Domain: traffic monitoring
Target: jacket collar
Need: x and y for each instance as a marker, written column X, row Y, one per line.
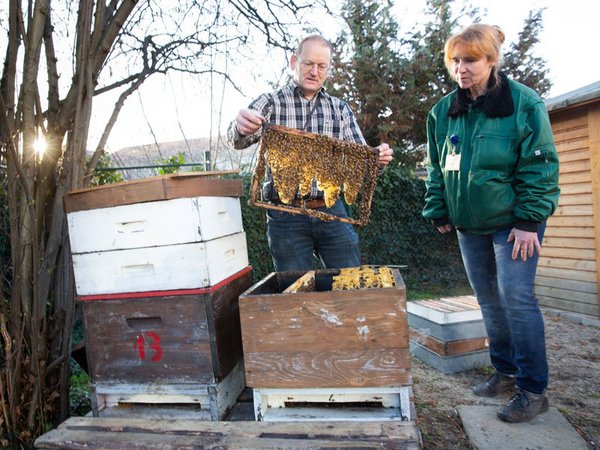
column 497, row 102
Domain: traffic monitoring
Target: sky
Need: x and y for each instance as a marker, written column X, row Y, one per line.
column 179, row 108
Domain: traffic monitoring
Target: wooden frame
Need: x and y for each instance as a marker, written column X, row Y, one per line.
column 212, row 400
column 315, row 141
column 345, row 404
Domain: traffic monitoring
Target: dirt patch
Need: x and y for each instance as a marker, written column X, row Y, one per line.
column 574, row 389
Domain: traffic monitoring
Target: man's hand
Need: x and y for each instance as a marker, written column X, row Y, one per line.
column 526, row 243
column 385, row 155
column 248, row 122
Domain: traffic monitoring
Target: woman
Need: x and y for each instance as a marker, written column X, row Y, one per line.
column 493, row 175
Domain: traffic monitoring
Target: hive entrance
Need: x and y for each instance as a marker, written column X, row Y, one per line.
column 342, row 169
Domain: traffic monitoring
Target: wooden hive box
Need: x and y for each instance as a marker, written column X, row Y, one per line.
column 448, row 333
column 326, row 355
column 172, row 347
column 161, row 233
column 324, row 338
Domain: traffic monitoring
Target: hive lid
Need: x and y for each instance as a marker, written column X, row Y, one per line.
column 446, row 310
column 165, row 187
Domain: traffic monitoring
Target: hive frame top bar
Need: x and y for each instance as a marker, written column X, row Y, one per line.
column 313, row 141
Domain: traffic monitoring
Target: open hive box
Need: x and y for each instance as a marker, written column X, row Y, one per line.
column 329, row 328
column 296, row 158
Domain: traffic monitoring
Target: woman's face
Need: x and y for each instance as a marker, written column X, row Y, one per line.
column 471, row 72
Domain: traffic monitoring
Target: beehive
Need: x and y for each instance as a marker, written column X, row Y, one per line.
column 341, row 169
column 448, row 333
column 159, row 264
column 319, row 353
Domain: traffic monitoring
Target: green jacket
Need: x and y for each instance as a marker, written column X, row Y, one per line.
column 508, row 162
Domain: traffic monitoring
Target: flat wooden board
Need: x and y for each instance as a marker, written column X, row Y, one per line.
column 334, row 368
column 145, row 434
column 165, row 187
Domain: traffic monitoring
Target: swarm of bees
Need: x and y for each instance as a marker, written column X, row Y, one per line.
column 363, row 277
column 299, row 160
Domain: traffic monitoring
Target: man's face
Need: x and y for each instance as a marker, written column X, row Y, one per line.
column 311, row 66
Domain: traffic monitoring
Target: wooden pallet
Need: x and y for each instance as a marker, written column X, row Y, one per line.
column 210, row 401
column 145, row 434
column 327, row 404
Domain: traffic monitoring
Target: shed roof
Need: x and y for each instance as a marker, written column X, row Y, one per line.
column 581, row 95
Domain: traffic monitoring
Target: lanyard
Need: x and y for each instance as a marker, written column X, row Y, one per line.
column 312, row 110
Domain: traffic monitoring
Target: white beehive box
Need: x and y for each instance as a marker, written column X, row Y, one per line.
column 183, row 266
column 166, row 222
column 158, row 234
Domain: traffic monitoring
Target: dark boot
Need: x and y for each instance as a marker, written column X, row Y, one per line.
column 496, row 384
column 523, row 407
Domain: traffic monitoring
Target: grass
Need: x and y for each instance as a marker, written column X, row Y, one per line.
column 79, row 393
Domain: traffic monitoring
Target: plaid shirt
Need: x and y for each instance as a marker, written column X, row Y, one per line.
column 288, row 107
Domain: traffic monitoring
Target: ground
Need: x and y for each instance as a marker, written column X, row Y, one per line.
column 574, row 388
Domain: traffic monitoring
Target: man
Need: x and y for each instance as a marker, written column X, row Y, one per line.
column 293, row 238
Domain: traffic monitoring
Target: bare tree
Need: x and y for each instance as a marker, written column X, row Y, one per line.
column 50, row 77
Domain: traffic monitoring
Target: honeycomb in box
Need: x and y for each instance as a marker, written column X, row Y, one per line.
column 363, row 277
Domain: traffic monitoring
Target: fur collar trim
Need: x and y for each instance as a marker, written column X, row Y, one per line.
column 497, row 102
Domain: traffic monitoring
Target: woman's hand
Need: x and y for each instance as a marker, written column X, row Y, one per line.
column 526, row 243
column 444, row 228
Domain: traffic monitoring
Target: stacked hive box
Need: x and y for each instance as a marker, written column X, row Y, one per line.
column 448, row 334
column 306, row 352
column 159, row 265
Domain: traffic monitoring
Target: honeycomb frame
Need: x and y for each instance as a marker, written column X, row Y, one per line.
column 339, row 163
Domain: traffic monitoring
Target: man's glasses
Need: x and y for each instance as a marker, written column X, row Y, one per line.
column 308, row 65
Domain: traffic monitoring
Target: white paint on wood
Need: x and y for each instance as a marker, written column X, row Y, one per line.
column 217, row 398
column 330, row 318
column 442, row 317
column 184, row 266
column 384, row 403
column 363, row 333
column 167, row 222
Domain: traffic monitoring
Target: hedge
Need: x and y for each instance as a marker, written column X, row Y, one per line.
column 396, row 234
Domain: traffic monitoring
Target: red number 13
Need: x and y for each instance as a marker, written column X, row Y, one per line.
column 140, row 342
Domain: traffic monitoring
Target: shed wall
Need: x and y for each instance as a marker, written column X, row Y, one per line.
column 568, row 270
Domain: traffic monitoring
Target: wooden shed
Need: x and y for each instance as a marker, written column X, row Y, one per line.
column 569, row 268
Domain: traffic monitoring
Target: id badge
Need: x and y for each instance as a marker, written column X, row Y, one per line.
column 452, row 162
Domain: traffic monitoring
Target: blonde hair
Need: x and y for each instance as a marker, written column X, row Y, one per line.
column 477, row 40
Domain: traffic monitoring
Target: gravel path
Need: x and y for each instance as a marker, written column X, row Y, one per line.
column 574, row 389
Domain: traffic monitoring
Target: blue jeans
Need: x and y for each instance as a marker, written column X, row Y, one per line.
column 511, row 314
column 295, row 239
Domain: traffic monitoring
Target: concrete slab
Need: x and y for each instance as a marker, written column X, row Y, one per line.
column 547, row 431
